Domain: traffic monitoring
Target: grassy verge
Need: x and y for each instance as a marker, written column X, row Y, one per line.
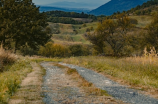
column 138, row 72
column 89, row 88
column 11, row 79
column 45, row 59
column 30, row 91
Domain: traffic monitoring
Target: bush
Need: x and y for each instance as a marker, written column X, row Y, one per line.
column 53, row 50
column 79, row 50
column 6, row 57
column 57, row 50
column 28, row 51
column 133, row 21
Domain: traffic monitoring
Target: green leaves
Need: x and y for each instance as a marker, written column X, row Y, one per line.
column 111, row 34
column 152, row 36
column 22, row 24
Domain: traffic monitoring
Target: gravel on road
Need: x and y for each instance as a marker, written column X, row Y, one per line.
column 60, row 88
column 116, row 90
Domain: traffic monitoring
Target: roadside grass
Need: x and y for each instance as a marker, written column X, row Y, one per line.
column 11, row 78
column 30, row 91
column 88, row 87
column 38, row 60
column 138, row 72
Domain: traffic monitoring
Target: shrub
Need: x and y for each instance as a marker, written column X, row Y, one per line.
column 76, row 50
column 79, row 50
column 133, row 21
column 28, row 51
column 57, row 50
column 6, row 57
column 84, row 25
column 53, row 50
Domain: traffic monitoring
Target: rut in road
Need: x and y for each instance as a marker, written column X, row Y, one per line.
column 118, row 91
column 60, row 88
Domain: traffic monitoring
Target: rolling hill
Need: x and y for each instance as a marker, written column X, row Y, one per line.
column 66, row 4
column 50, row 8
column 116, row 5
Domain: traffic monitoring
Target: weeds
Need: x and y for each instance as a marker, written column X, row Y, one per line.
column 11, row 79
column 30, row 91
column 71, row 71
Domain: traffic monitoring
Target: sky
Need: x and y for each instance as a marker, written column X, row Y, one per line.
column 43, row 2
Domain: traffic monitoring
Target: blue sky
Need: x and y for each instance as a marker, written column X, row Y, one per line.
column 42, row 2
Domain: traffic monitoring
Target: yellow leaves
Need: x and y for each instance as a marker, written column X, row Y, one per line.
column 53, row 50
column 107, row 25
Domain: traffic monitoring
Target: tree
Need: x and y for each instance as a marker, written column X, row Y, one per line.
column 76, row 50
column 97, row 40
column 22, row 24
column 152, row 36
column 111, row 32
column 108, row 28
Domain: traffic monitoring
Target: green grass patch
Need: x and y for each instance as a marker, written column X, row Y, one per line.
column 10, row 80
column 80, row 38
column 46, row 59
column 82, row 30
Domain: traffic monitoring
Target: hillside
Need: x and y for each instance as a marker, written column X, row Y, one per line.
column 116, row 5
column 67, row 4
column 50, row 8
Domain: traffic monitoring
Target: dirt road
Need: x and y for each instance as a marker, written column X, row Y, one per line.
column 60, row 88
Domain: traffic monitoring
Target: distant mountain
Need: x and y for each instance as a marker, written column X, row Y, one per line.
column 116, row 5
column 49, row 8
column 66, row 4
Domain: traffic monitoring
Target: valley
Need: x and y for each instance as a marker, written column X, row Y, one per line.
column 79, row 56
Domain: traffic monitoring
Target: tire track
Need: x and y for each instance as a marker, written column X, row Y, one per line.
column 118, row 91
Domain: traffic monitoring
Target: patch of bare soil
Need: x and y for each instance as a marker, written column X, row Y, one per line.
column 30, row 90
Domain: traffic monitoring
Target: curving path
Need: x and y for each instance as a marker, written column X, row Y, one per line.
column 60, row 88
column 118, row 91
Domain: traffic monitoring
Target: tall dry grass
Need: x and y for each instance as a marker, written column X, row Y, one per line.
column 136, row 71
column 6, row 57
column 10, row 80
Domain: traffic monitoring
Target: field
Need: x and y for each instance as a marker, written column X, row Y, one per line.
column 71, row 34
column 143, row 21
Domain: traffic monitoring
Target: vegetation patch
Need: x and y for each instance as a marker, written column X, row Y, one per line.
column 138, row 72
column 6, row 57
column 31, row 89
column 10, row 80
column 37, row 59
